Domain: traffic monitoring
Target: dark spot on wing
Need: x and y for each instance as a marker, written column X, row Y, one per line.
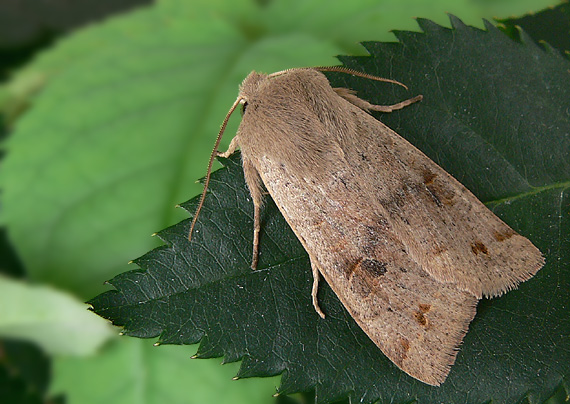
column 429, row 177
column 505, row 235
column 373, row 267
column 420, row 315
column 478, row 247
column 420, row 318
column 441, row 194
column 404, row 348
column 405, row 344
column 401, row 351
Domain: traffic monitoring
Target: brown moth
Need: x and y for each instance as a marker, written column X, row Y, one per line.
column 407, row 249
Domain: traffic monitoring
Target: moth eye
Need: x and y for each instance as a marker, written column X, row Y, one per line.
column 243, row 107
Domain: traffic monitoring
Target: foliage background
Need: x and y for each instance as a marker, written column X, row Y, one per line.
column 108, row 127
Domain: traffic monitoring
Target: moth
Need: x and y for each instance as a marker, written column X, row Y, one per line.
column 407, row 249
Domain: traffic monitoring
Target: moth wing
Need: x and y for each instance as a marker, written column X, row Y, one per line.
column 447, row 230
column 405, row 247
column 415, row 320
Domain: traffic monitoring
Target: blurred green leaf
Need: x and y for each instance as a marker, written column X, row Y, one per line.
column 15, row 95
column 132, row 371
column 54, row 320
column 489, row 122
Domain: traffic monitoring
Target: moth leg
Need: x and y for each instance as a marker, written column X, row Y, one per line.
column 351, row 97
column 316, row 276
column 231, row 149
column 256, row 227
column 253, row 181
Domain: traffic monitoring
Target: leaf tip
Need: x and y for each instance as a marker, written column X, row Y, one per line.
column 428, row 26
column 455, row 21
column 489, row 26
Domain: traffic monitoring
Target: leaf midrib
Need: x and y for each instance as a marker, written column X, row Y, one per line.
column 532, row 192
column 223, row 279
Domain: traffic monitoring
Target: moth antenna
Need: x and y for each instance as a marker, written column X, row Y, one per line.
column 211, row 162
column 340, row 69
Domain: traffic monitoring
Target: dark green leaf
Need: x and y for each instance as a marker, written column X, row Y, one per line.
column 24, row 374
column 495, row 115
column 551, row 25
column 560, row 396
column 10, row 263
column 44, row 19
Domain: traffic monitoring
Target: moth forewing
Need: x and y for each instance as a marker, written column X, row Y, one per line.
column 406, row 248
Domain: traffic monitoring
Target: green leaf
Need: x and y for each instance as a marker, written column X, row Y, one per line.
column 131, row 371
column 494, row 115
column 54, row 320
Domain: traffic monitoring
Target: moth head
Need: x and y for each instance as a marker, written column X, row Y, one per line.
column 250, row 86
